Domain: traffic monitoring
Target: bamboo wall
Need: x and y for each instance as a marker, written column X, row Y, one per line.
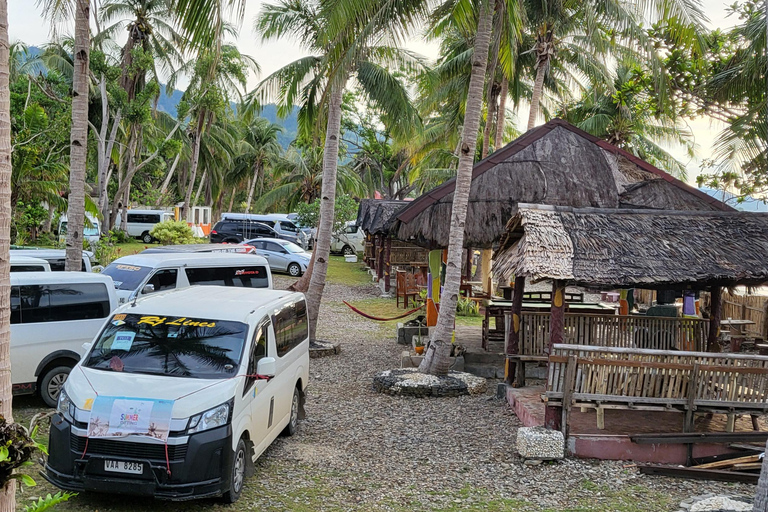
column 747, row 307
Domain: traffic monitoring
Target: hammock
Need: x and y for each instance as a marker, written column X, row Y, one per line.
column 379, row 319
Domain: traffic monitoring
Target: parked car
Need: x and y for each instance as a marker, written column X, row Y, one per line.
column 197, row 248
column 279, row 223
column 178, row 391
column 283, row 256
column 91, row 228
column 52, row 315
column 309, row 232
column 236, row 231
column 56, row 258
column 142, row 274
column 140, row 222
column 351, row 240
column 29, row 264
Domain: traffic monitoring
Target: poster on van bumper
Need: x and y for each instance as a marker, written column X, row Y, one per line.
column 113, row 416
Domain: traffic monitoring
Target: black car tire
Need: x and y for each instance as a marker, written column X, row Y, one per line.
column 237, row 473
column 293, row 422
column 146, row 237
column 52, row 382
column 347, row 251
column 294, row 269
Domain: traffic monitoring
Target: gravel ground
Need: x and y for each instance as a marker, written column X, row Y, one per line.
column 359, row 450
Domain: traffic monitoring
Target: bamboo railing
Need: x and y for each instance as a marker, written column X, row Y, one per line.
column 628, row 331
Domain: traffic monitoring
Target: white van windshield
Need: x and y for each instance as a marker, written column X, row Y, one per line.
column 169, row 345
column 126, row 277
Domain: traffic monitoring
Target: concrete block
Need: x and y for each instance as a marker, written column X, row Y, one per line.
column 405, row 333
column 540, row 443
column 409, row 360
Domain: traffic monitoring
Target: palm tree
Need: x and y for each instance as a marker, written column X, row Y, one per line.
column 436, row 359
column 261, row 150
column 624, row 115
column 347, row 40
column 7, row 494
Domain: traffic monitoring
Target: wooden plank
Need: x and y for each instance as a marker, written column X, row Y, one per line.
column 726, row 463
column 570, row 382
column 699, row 474
column 699, row 437
column 748, row 466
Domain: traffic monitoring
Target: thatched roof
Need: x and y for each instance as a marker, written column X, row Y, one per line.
column 556, row 164
column 375, row 216
column 608, row 248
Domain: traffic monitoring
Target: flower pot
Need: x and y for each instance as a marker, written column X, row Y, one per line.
column 419, row 350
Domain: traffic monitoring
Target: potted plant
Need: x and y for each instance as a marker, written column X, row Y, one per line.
column 419, row 345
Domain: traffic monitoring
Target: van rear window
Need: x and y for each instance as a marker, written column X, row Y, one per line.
column 255, row 276
column 126, row 277
column 200, row 348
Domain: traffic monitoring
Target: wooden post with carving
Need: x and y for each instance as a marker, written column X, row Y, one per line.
column 387, row 264
column 715, row 311
column 514, row 371
column 553, row 415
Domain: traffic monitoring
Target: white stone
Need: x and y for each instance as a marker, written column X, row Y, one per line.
column 720, row 503
column 540, row 443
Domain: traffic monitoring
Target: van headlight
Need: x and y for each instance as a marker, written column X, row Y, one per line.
column 212, row 418
column 65, row 407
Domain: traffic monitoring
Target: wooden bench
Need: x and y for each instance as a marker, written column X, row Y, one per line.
column 623, row 378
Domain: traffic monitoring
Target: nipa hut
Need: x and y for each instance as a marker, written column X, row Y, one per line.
column 556, row 164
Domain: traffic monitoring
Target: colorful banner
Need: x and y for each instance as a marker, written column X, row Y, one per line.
column 113, row 416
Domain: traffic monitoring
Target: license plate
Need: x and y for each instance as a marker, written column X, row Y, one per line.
column 120, row 466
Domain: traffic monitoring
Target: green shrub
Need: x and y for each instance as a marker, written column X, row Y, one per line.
column 467, row 307
column 172, row 233
column 119, row 236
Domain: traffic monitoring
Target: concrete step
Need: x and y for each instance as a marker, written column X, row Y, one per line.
column 477, row 357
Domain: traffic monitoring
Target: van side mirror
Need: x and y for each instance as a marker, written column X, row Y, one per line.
column 87, row 346
column 148, row 288
column 266, row 367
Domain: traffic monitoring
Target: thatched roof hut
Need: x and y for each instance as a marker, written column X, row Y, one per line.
column 609, row 248
column 555, row 164
column 375, row 216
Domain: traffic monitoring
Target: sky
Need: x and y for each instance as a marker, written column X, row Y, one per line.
column 25, row 23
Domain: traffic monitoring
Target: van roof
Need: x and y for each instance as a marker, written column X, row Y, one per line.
column 213, row 302
column 197, row 258
column 21, row 278
column 132, row 210
column 45, row 253
column 17, row 259
column 193, row 248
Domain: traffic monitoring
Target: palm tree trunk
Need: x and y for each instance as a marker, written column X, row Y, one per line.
column 436, row 360
column 490, row 117
column 78, row 149
column 761, row 496
column 200, row 187
column 232, row 198
column 492, row 90
column 542, row 49
column 7, row 494
column 167, row 180
column 256, row 169
column 501, row 114
column 327, row 205
column 195, row 162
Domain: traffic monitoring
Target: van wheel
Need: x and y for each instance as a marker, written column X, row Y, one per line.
column 294, row 269
column 237, row 473
column 51, row 384
column 347, row 251
column 146, row 237
column 293, row 422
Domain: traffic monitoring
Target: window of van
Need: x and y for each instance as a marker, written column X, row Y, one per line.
column 246, row 277
column 144, row 218
column 57, row 264
column 126, row 277
column 59, row 302
column 288, row 227
column 258, row 350
column 291, row 327
column 27, row 268
column 172, row 346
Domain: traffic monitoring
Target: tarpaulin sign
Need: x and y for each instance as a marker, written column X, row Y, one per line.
column 113, row 416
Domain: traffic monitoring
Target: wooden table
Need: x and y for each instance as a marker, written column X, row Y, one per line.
column 737, row 324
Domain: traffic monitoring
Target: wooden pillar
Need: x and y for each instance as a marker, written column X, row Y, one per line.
column 387, row 265
column 373, row 259
column 469, row 264
column 557, row 314
column 514, row 371
column 714, row 318
column 485, row 270
column 380, row 259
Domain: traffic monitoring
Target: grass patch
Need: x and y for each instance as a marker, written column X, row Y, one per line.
column 349, row 274
column 634, row 498
column 387, row 308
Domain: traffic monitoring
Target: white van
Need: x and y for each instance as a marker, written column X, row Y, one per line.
column 56, row 258
column 52, row 315
column 91, row 228
column 140, row 222
column 29, row 264
column 181, row 393
column 283, row 226
column 349, row 241
column 141, row 274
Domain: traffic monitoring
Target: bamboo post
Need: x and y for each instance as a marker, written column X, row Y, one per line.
column 485, row 270
column 515, row 369
column 716, row 307
column 374, row 254
column 469, row 264
column 380, row 260
column 387, row 264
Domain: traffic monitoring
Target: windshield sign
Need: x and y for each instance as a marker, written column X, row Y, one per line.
column 168, row 345
column 126, row 277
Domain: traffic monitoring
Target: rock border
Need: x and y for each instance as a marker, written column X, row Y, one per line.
column 318, row 348
column 410, row 382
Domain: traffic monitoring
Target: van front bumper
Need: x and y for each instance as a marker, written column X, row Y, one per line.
column 198, row 469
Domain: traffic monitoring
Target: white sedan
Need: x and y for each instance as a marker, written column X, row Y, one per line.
column 282, row 255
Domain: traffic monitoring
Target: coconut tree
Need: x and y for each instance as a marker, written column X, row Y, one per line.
column 7, row 496
column 261, row 149
column 347, row 41
column 436, row 360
